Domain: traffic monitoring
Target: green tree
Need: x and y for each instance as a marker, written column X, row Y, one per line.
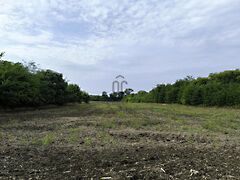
column 158, row 93
column 128, row 91
column 171, row 94
column 74, row 93
column 192, row 95
column 18, row 87
column 85, row 97
column 214, row 94
column 104, row 96
column 53, row 88
column 232, row 94
column 226, row 76
column 26, row 85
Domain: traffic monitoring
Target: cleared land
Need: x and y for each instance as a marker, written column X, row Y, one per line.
column 121, row 141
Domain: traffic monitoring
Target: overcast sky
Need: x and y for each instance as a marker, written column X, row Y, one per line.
column 148, row 41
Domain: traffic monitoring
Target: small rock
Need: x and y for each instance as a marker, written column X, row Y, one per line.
column 193, row 172
column 66, row 172
column 103, row 178
column 163, row 170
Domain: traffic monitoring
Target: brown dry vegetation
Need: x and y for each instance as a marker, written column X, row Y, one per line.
column 121, row 141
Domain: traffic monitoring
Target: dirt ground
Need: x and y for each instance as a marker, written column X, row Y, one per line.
column 62, row 143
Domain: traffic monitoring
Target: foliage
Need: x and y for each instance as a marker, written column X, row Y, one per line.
column 53, row 88
column 18, row 87
column 74, row 94
column 26, row 85
column 116, row 96
column 85, row 97
column 48, row 139
column 218, row 89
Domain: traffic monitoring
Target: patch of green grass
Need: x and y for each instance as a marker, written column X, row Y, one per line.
column 33, row 140
column 158, row 128
column 108, row 124
column 78, row 129
column 212, row 138
column 13, row 121
column 109, row 139
column 172, row 117
column 121, row 114
column 185, row 128
column 217, row 145
column 22, row 140
column 200, row 130
column 74, row 137
column 139, row 116
column 190, row 141
column 48, row 139
column 138, row 122
column 1, row 136
column 211, row 125
column 106, row 137
column 179, row 122
column 11, row 138
column 133, row 123
column 87, row 141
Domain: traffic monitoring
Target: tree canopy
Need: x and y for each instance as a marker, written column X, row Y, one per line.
column 218, row 89
column 22, row 85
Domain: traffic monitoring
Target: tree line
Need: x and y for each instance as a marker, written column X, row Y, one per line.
column 218, row 89
column 115, row 96
column 27, row 85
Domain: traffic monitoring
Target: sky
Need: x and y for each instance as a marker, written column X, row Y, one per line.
column 149, row 42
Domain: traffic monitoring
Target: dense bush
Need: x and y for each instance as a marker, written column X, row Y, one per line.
column 218, row 89
column 22, row 85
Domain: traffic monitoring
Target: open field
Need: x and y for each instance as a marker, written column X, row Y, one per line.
column 120, row 140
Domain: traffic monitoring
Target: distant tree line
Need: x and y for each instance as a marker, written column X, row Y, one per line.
column 26, row 85
column 218, row 89
column 115, row 96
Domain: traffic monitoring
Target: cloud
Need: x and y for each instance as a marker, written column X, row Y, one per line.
column 130, row 36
